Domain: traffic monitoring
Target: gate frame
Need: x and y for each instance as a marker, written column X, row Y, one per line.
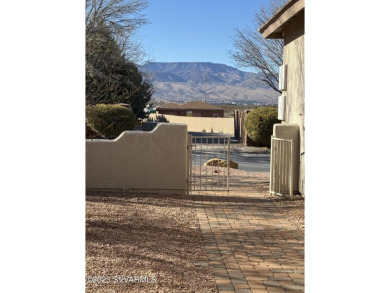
column 190, row 144
column 281, row 166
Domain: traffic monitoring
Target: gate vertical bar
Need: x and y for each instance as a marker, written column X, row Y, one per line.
column 192, row 175
column 228, row 164
column 283, row 164
column 271, row 166
column 223, row 169
column 224, row 158
column 207, row 147
column 291, row 170
column 193, row 172
column 212, row 164
column 200, row 165
column 278, row 166
column 218, row 165
column 189, row 151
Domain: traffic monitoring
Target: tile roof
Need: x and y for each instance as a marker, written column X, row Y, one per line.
column 169, row 106
column 194, row 105
column 197, row 105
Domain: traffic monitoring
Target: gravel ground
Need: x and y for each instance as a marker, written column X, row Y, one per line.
column 144, row 243
column 292, row 209
column 152, row 243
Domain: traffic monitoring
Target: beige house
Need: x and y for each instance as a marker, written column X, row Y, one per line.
column 191, row 109
column 288, row 24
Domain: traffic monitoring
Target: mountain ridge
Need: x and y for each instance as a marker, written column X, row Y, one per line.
column 214, row 82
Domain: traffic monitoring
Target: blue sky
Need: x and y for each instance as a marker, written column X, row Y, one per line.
column 194, row 30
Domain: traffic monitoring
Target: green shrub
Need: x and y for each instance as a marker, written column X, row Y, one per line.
column 90, row 133
column 259, row 124
column 109, row 121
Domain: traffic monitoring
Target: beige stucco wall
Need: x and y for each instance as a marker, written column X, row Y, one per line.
column 293, row 57
column 143, row 161
column 198, row 124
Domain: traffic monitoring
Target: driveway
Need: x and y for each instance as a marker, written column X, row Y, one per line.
column 251, row 159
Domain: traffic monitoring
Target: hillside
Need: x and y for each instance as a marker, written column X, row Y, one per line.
column 215, row 83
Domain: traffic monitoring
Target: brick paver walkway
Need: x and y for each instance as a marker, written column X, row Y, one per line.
column 250, row 246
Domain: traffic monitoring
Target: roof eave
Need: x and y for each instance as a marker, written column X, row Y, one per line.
column 273, row 28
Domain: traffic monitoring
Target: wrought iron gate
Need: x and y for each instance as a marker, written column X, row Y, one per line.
column 208, row 161
column 281, row 177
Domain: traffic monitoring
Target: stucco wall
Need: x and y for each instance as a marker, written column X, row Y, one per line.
column 144, row 161
column 293, row 56
column 198, row 124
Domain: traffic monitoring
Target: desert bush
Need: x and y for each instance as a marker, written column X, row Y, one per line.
column 259, row 124
column 109, row 121
column 158, row 118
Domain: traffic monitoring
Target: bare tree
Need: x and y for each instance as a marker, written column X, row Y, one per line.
column 112, row 75
column 122, row 18
column 253, row 51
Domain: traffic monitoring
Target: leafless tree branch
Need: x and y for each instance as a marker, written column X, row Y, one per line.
column 122, row 18
column 251, row 50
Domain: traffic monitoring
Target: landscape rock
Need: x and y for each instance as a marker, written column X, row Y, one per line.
column 221, row 163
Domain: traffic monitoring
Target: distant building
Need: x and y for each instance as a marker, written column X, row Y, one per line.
column 169, row 109
column 191, row 109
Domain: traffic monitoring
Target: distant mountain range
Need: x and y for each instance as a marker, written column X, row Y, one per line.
column 216, row 83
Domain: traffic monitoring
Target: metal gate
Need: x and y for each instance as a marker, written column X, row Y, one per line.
column 208, row 161
column 281, row 179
